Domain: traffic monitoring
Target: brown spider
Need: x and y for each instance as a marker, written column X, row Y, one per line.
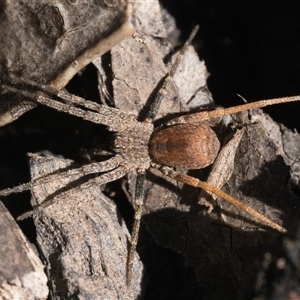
column 186, row 142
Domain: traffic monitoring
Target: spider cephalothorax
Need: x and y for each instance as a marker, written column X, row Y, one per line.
column 132, row 144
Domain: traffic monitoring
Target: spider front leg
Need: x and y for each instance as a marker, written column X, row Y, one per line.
column 115, row 119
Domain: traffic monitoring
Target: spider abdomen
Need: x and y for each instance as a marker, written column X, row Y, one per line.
column 188, row 146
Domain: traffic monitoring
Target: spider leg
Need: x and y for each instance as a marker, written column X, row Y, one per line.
column 97, row 167
column 207, row 187
column 207, row 115
column 97, row 113
column 63, row 95
column 112, row 175
column 169, row 78
column 139, row 201
column 139, row 191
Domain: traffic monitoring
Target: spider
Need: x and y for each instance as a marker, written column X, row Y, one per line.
column 186, row 142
